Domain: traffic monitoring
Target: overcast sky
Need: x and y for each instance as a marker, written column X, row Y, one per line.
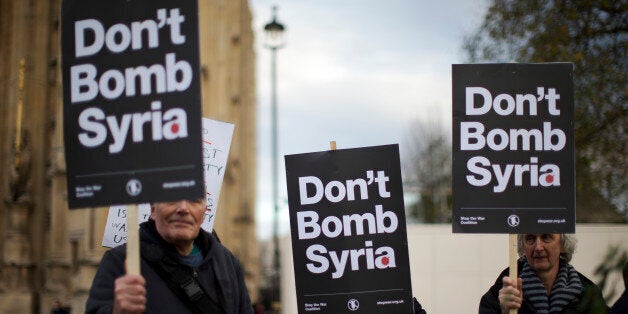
column 357, row 72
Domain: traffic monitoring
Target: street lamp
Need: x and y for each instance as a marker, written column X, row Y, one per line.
column 274, row 41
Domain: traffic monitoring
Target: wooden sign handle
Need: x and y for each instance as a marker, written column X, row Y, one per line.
column 513, row 256
column 132, row 240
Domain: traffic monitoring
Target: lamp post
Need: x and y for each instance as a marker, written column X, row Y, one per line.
column 274, row 41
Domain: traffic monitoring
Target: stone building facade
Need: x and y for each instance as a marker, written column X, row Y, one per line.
column 50, row 253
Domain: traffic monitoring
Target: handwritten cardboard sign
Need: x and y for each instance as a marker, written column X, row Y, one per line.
column 216, row 137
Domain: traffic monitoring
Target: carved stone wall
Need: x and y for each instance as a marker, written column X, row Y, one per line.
column 50, row 253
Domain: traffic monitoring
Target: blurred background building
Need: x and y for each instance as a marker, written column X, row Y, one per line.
column 50, row 253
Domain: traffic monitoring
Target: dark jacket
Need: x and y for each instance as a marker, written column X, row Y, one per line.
column 591, row 301
column 220, row 274
column 621, row 305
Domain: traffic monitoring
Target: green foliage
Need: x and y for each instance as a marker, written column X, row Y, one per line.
column 615, row 260
column 593, row 35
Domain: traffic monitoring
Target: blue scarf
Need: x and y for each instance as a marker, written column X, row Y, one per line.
column 565, row 290
column 194, row 259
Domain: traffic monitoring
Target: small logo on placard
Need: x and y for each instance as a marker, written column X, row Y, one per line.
column 353, row 305
column 134, row 187
column 513, row 220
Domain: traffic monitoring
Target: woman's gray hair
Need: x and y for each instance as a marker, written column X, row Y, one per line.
column 568, row 243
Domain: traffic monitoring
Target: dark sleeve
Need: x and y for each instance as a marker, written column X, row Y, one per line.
column 418, row 308
column 245, row 306
column 592, row 301
column 100, row 298
column 489, row 304
column 621, row 305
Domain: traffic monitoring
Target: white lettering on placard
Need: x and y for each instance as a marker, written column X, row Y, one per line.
column 483, row 170
column 380, row 258
column 95, row 126
column 336, row 191
column 332, row 226
column 119, row 37
column 547, row 139
column 505, row 104
column 175, row 76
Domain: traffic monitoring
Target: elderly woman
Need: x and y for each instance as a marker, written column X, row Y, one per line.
column 547, row 282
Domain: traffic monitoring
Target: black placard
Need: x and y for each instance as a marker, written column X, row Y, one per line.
column 131, row 101
column 348, row 227
column 513, row 148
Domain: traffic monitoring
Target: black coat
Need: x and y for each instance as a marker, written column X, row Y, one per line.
column 220, row 274
column 621, row 305
column 591, row 301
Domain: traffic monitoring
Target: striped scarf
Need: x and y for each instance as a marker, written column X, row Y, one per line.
column 566, row 289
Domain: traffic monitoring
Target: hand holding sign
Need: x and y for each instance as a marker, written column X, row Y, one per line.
column 513, row 167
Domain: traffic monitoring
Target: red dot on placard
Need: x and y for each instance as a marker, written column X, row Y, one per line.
column 174, row 128
column 549, row 178
column 385, row 260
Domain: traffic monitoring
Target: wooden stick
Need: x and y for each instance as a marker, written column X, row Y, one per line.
column 512, row 252
column 132, row 240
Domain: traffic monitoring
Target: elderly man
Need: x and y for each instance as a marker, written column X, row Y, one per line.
column 547, row 283
column 184, row 269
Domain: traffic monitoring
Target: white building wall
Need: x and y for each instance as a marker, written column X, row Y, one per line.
column 450, row 272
